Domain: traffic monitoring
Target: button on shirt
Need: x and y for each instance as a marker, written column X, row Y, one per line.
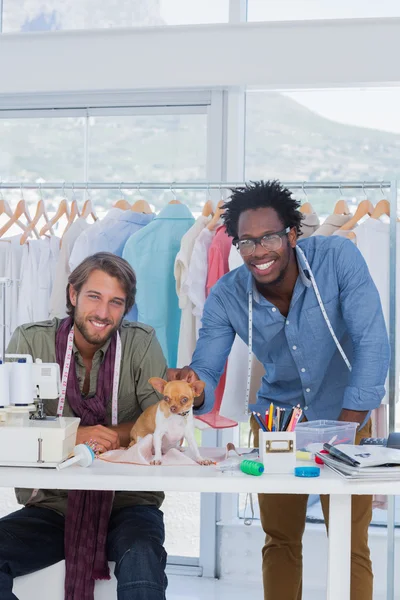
column 314, row 374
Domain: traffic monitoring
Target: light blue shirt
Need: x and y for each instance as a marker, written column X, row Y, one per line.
column 113, row 239
column 151, row 252
column 302, row 363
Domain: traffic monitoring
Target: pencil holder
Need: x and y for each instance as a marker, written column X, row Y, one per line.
column 278, row 451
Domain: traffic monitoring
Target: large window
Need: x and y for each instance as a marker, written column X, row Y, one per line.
column 301, row 10
column 53, row 15
column 130, row 144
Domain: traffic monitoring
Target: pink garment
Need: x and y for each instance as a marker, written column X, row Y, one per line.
column 218, row 257
column 142, row 454
column 218, row 265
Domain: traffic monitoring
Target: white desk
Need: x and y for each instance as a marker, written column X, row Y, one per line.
column 107, row 476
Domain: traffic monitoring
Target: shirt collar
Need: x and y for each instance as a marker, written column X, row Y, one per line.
column 251, row 284
column 175, row 211
column 129, row 216
column 100, row 352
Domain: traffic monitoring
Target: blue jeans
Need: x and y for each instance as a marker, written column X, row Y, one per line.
column 33, row 538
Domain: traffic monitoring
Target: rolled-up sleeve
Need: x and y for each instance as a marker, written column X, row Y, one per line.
column 362, row 313
column 213, row 347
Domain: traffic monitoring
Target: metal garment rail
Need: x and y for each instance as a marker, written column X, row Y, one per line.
column 390, row 186
column 190, row 185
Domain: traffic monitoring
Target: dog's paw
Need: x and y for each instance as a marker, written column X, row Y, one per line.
column 155, row 462
column 204, row 461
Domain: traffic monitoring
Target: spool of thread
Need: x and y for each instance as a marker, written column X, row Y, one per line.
column 83, row 455
column 4, row 384
column 21, row 392
column 252, row 467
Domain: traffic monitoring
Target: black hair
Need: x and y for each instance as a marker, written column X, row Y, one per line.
column 262, row 194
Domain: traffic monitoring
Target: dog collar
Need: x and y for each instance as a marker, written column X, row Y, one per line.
column 185, row 414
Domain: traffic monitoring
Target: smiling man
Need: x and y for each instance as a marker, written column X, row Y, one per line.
column 302, row 363
column 108, row 362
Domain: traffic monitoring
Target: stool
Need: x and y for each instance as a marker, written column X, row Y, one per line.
column 48, row 584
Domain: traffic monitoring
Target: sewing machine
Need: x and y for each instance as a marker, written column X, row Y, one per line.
column 29, row 438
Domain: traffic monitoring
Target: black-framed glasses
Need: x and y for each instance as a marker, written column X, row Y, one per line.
column 272, row 241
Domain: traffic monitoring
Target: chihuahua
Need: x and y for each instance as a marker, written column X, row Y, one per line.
column 171, row 419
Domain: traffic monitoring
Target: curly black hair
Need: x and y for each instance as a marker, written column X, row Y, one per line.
column 261, row 194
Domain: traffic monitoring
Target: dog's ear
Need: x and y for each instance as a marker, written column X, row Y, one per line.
column 197, row 387
column 158, row 384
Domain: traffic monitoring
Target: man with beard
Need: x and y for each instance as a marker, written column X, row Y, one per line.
column 107, row 363
column 274, row 292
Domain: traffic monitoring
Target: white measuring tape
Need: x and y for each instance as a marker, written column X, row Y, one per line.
column 66, row 368
column 325, row 315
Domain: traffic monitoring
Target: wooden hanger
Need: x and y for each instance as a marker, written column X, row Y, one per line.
column 5, row 209
column 217, row 215
column 21, row 210
column 341, row 208
column 62, row 210
column 73, row 213
column 88, row 210
column 141, row 206
column 207, row 209
column 382, row 208
column 364, row 208
column 122, row 204
column 306, row 208
column 40, row 212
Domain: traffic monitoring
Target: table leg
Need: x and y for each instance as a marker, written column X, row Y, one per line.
column 339, row 553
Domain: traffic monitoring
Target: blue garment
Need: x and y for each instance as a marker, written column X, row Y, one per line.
column 113, row 239
column 32, row 538
column 302, row 363
column 151, row 252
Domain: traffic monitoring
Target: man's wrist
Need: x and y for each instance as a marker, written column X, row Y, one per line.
column 199, row 401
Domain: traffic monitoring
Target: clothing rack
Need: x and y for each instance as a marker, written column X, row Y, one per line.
column 390, row 186
column 191, row 185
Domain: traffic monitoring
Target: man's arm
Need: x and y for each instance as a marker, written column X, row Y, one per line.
column 362, row 313
column 212, row 350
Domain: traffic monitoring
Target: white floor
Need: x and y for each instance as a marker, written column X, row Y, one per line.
column 199, row 588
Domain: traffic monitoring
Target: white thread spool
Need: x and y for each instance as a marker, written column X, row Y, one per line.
column 83, row 455
column 4, row 384
column 21, row 392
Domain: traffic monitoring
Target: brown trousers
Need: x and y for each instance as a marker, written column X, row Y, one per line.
column 283, row 518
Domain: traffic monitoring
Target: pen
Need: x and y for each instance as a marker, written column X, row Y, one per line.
column 288, row 420
column 262, row 421
column 336, row 453
column 261, row 424
column 266, row 419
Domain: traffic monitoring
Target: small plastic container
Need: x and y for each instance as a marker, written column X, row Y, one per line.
column 312, row 435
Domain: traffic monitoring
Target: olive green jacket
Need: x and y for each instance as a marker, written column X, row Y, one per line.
column 142, row 358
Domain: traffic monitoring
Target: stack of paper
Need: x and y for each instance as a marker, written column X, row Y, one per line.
column 370, row 462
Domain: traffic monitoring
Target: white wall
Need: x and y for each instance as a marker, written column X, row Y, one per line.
column 276, row 55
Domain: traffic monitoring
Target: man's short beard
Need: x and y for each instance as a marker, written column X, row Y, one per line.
column 95, row 340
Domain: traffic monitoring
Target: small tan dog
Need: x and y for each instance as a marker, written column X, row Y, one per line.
column 170, row 420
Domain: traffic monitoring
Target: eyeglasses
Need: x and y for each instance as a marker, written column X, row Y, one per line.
column 272, row 241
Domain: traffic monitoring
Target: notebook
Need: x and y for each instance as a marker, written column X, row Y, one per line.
column 374, row 462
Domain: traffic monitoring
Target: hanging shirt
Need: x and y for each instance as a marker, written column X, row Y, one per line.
column 197, row 274
column 87, row 240
column 302, row 363
column 114, row 236
column 187, row 332
column 218, row 257
column 332, row 224
column 58, row 294
column 151, row 252
column 309, row 225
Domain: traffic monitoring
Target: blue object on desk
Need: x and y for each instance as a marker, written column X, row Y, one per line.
column 307, row 471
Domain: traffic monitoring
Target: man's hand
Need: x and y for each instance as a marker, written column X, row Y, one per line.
column 354, row 416
column 186, row 374
column 106, row 439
